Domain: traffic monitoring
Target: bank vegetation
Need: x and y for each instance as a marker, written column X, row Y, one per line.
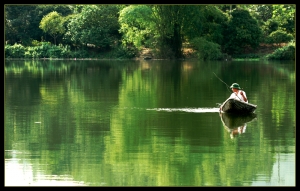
column 206, row 32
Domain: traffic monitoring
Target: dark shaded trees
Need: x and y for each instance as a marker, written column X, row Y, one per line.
column 22, row 22
column 242, row 32
column 169, row 21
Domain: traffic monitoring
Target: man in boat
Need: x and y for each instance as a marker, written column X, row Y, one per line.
column 238, row 93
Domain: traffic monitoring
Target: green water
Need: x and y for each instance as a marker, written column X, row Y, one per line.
column 146, row 123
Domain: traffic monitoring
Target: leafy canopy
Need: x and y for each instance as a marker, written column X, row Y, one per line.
column 52, row 24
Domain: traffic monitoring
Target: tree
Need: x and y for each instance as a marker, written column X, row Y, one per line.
column 242, row 32
column 166, row 27
column 280, row 36
column 169, row 22
column 285, row 15
column 22, row 22
column 18, row 23
column 264, row 12
column 41, row 10
column 53, row 24
column 96, row 25
column 213, row 23
column 137, row 25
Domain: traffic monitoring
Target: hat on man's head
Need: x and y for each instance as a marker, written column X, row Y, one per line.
column 236, row 86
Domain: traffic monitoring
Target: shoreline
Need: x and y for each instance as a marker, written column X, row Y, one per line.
column 54, row 59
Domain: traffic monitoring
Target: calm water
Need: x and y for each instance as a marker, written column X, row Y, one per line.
column 147, row 123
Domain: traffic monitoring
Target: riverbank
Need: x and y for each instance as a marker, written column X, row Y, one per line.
column 188, row 53
column 249, row 54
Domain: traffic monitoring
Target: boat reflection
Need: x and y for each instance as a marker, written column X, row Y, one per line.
column 236, row 124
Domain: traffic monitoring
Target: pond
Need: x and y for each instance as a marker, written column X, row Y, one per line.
column 147, row 123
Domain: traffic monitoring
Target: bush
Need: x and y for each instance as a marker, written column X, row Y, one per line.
column 206, row 50
column 38, row 49
column 279, row 36
column 30, row 53
column 15, row 51
column 54, row 52
column 125, row 53
column 65, row 51
column 82, row 53
column 36, row 43
column 7, row 51
column 284, row 53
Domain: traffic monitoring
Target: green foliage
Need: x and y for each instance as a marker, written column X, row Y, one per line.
column 136, row 25
column 285, row 15
column 280, row 36
column 40, row 50
column 206, row 50
column 174, row 24
column 95, row 24
column 22, row 22
column 123, row 53
column 36, row 43
column 19, row 24
column 244, row 31
column 53, row 24
column 65, row 51
column 213, row 24
column 265, row 12
column 7, row 51
column 54, row 52
column 163, row 28
column 268, row 27
column 81, row 53
column 285, row 53
column 15, row 51
column 277, row 17
column 31, row 53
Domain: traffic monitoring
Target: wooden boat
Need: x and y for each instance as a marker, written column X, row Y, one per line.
column 236, row 106
column 233, row 120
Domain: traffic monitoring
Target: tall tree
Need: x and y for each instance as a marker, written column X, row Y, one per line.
column 53, row 24
column 242, row 32
column 95, row 24
column 169, row 23
column 285, row 15
column 17, row 21
column 137, row 25
column 177, row 23
column 167, row 27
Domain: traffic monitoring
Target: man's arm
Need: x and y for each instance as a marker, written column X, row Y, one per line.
column 244, row 97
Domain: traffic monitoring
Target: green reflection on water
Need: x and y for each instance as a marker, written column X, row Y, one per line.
column 88, row 120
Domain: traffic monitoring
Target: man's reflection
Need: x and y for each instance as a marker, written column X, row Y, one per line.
column 236, row 124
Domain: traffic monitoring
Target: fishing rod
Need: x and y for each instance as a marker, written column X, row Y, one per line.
column 227, row 86
column 223, row 82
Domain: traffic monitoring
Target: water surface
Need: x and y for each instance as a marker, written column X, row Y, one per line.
column 147, row 123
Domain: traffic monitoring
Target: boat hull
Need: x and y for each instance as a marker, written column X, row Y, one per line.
column 232, row 120
column 237, row 106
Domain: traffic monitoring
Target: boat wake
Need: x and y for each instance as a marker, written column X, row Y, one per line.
column 192, row 110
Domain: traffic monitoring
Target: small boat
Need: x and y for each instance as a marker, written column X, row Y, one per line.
column 233, row 120
column 236, row 106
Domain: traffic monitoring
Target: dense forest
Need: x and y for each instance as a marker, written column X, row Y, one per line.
column 208, row 32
